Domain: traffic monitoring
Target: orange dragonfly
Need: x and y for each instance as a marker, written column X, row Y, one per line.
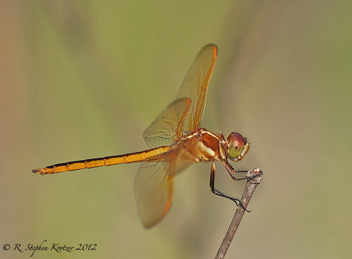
column 176, row 140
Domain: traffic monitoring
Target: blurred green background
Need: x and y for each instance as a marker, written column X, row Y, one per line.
column 84, row 79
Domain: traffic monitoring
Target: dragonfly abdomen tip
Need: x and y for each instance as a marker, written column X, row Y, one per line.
column 37, row 171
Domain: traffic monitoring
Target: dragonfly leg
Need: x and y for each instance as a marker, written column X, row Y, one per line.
column 239, row 174
column 221, row 194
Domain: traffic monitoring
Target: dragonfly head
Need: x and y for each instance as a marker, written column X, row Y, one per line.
column 237, row 146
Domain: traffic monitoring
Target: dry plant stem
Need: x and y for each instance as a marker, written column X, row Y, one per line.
column 255, row 177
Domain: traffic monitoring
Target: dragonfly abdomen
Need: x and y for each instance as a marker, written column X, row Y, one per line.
column 147, row 155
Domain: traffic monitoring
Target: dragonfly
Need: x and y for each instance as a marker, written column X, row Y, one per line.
column 175, row 140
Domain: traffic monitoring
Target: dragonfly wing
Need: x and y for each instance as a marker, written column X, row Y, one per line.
column 154, row 182
column 154, row 187
column 195, row 87
column 167, row 127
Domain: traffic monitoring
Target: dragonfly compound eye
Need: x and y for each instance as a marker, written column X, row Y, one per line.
column 237, row 146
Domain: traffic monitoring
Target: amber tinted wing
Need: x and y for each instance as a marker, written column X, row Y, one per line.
column 154, row 187
column 195, row 86
column 167, row 127
column 154, row 183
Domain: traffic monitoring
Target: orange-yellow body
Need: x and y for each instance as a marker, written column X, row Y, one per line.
column 175, row 141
